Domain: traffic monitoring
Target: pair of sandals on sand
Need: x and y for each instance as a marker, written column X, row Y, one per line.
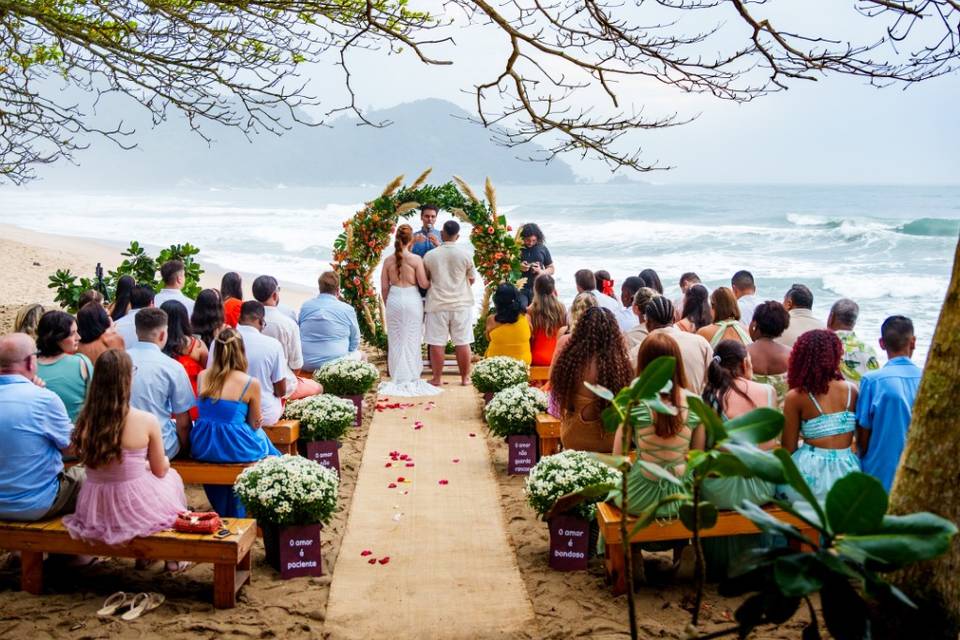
column 136, row 605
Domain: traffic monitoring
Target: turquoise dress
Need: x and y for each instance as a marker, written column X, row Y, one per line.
column 69, row 377
column 822, row 467
column 221, row 434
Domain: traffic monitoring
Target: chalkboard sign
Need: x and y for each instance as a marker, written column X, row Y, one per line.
column 521, row 454
column 300, row 551
column 325, row 452
column 569, row 543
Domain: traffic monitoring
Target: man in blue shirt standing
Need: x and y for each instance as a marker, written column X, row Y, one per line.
column 886, row 400
column 428, row 237
column 36, row 430
column 328, row 326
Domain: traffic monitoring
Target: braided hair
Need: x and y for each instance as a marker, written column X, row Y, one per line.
column 402, row 239
column 660, row 311
column 596, row 339
column 815, row 361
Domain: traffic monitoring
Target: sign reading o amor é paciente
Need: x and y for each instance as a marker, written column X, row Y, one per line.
column 300, row 553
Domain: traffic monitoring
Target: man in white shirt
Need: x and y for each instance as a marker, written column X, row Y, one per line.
column 695, row 351
column 141, row 297
column 265, row 361
column 174, row 276
column 798, row 301
column 449, row 305
column 626, row 318
column 745, row 290
column 586, row 281
column 287, row 332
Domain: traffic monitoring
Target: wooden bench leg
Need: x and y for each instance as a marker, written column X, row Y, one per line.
column 228, row 579
column 549, row 446
column 31, row 572
column 616, row 572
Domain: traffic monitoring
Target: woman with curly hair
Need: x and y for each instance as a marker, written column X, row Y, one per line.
column 820, row 409
column 596, row 354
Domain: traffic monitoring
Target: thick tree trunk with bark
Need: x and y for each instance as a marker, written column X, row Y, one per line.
column 929, row 474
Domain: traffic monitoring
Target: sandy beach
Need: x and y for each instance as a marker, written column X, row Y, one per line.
column 566, row 605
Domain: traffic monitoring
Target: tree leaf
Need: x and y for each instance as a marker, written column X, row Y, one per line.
column 600, row 390
column 761, row 464
column 724, row 465
column 844, row 611
column 611, row 418
column 856, row 504
column 656, row 470
column 709, row 418
column 756, row 427
column 654, row 377
column 901, row 540
column 620, row 463
column 658, row 405
column 708, row 515
column 771, row 524
column 796, row 575
column 793, row 477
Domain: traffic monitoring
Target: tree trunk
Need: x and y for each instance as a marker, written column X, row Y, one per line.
column 929, row 475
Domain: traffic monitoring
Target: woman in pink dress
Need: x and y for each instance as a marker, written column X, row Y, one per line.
column 130, row 489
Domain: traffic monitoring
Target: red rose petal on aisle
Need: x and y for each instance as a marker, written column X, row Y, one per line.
column 365, row 553
column 404, row 457
column 372, row 561
column 392, row 485
column 418, row 427
column 384, row 560
column 409, row 464
column 442, row 482
column 389, row 464
column 456, row 460
column 400, row 479
column 473, row 435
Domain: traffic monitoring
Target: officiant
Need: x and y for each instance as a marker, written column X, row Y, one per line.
column 427, row 238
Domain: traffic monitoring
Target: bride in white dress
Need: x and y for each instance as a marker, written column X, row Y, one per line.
column 401, row 274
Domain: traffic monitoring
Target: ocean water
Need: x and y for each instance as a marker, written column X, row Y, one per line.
column 890, row 248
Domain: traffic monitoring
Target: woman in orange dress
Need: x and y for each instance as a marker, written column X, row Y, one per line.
column 548, row 319
column 182, row 346
column 231, row 290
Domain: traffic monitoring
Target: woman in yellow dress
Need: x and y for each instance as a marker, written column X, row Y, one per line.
column 507, row 328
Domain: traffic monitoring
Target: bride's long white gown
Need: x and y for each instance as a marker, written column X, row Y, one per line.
column 404, row 337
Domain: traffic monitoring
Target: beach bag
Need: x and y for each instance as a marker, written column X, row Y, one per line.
column 195, row 522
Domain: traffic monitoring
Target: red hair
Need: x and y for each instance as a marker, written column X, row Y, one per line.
column 815, row 361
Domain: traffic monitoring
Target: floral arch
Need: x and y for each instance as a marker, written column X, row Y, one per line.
column 357, row 251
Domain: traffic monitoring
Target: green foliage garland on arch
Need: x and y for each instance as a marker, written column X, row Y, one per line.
column 358, row 250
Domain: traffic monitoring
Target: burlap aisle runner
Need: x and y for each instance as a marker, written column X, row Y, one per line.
column 451, row 572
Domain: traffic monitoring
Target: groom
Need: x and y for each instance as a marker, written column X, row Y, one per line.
column 449, row 303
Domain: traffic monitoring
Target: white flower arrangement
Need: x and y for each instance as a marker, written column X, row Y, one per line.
column 564, row 473
column 499, row 372
column 347, row 377
column 322, row 417
column 288, row 490
column 513, row 411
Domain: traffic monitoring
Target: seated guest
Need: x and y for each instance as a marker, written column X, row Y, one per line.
column 27, row 319
column 121, row 297
column 587, row 283
column 595, row 354
column 207, row 320
column 604, row 282
column 694, row 349
column 97, row 333
column 285, row 330
column 265, row 360
column 798, row 302
column 63, row 370
column 231, row 291
column 141, row 297
column 886, row 402
column 651, row 280
column 726, row 319
column 174, row 276
column 183, row 346
column 229, row 426
column 626, row 318
column 770, row 359
column 507, row 328
column 36, row 433
column 687, row 280
column 160, row 385
column 328, row 326
column 820, row 409
column 858, row 357
column 745, row 291
column 636, row 335
column 90, row 295
column 580, row 305
column 130, row 489
column 667, row 439
column 548, row 319
column 695, row 313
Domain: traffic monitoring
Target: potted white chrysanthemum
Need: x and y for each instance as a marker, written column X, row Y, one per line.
column 291, row 497
column 512, row 414
column 324, row 419
column 558, row 476
column 491, row 375
column 349, row 379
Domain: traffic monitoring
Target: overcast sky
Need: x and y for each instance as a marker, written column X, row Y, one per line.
column 836, row 130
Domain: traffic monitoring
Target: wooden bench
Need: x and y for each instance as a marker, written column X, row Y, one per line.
column 284, row 435
column 548, row 433
column 729, row 523
column 230, row 556
column 219, row 473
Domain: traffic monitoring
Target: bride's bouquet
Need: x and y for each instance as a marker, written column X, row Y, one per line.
column 497, row 373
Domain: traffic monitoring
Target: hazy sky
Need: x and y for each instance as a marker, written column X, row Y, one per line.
column 833, row 130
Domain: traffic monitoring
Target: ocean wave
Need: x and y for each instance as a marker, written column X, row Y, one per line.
column 931, row 227
column 810, row 220
column 856, row 228
column 891, row 285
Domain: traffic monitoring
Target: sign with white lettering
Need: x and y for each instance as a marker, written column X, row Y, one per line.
column 300, row 551
column 569, row 543
column 521, row 454
column 326, row 453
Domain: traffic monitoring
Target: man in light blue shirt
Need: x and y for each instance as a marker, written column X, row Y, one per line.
column 141, row 297
column 428, row 238
column 160, row 383
column 328, row 326
column 885, row 405
column 36, row 430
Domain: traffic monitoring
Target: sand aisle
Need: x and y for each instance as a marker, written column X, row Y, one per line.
column 451, row 572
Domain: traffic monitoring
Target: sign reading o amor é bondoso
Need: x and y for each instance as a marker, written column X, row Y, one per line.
column 569, row 543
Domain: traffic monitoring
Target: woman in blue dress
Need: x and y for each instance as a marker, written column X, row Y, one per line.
column 819, row 408
column 228, row 426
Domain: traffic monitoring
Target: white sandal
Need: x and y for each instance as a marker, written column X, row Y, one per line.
column 114, row 603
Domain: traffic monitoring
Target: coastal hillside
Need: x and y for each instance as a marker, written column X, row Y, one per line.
column 426, row 133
